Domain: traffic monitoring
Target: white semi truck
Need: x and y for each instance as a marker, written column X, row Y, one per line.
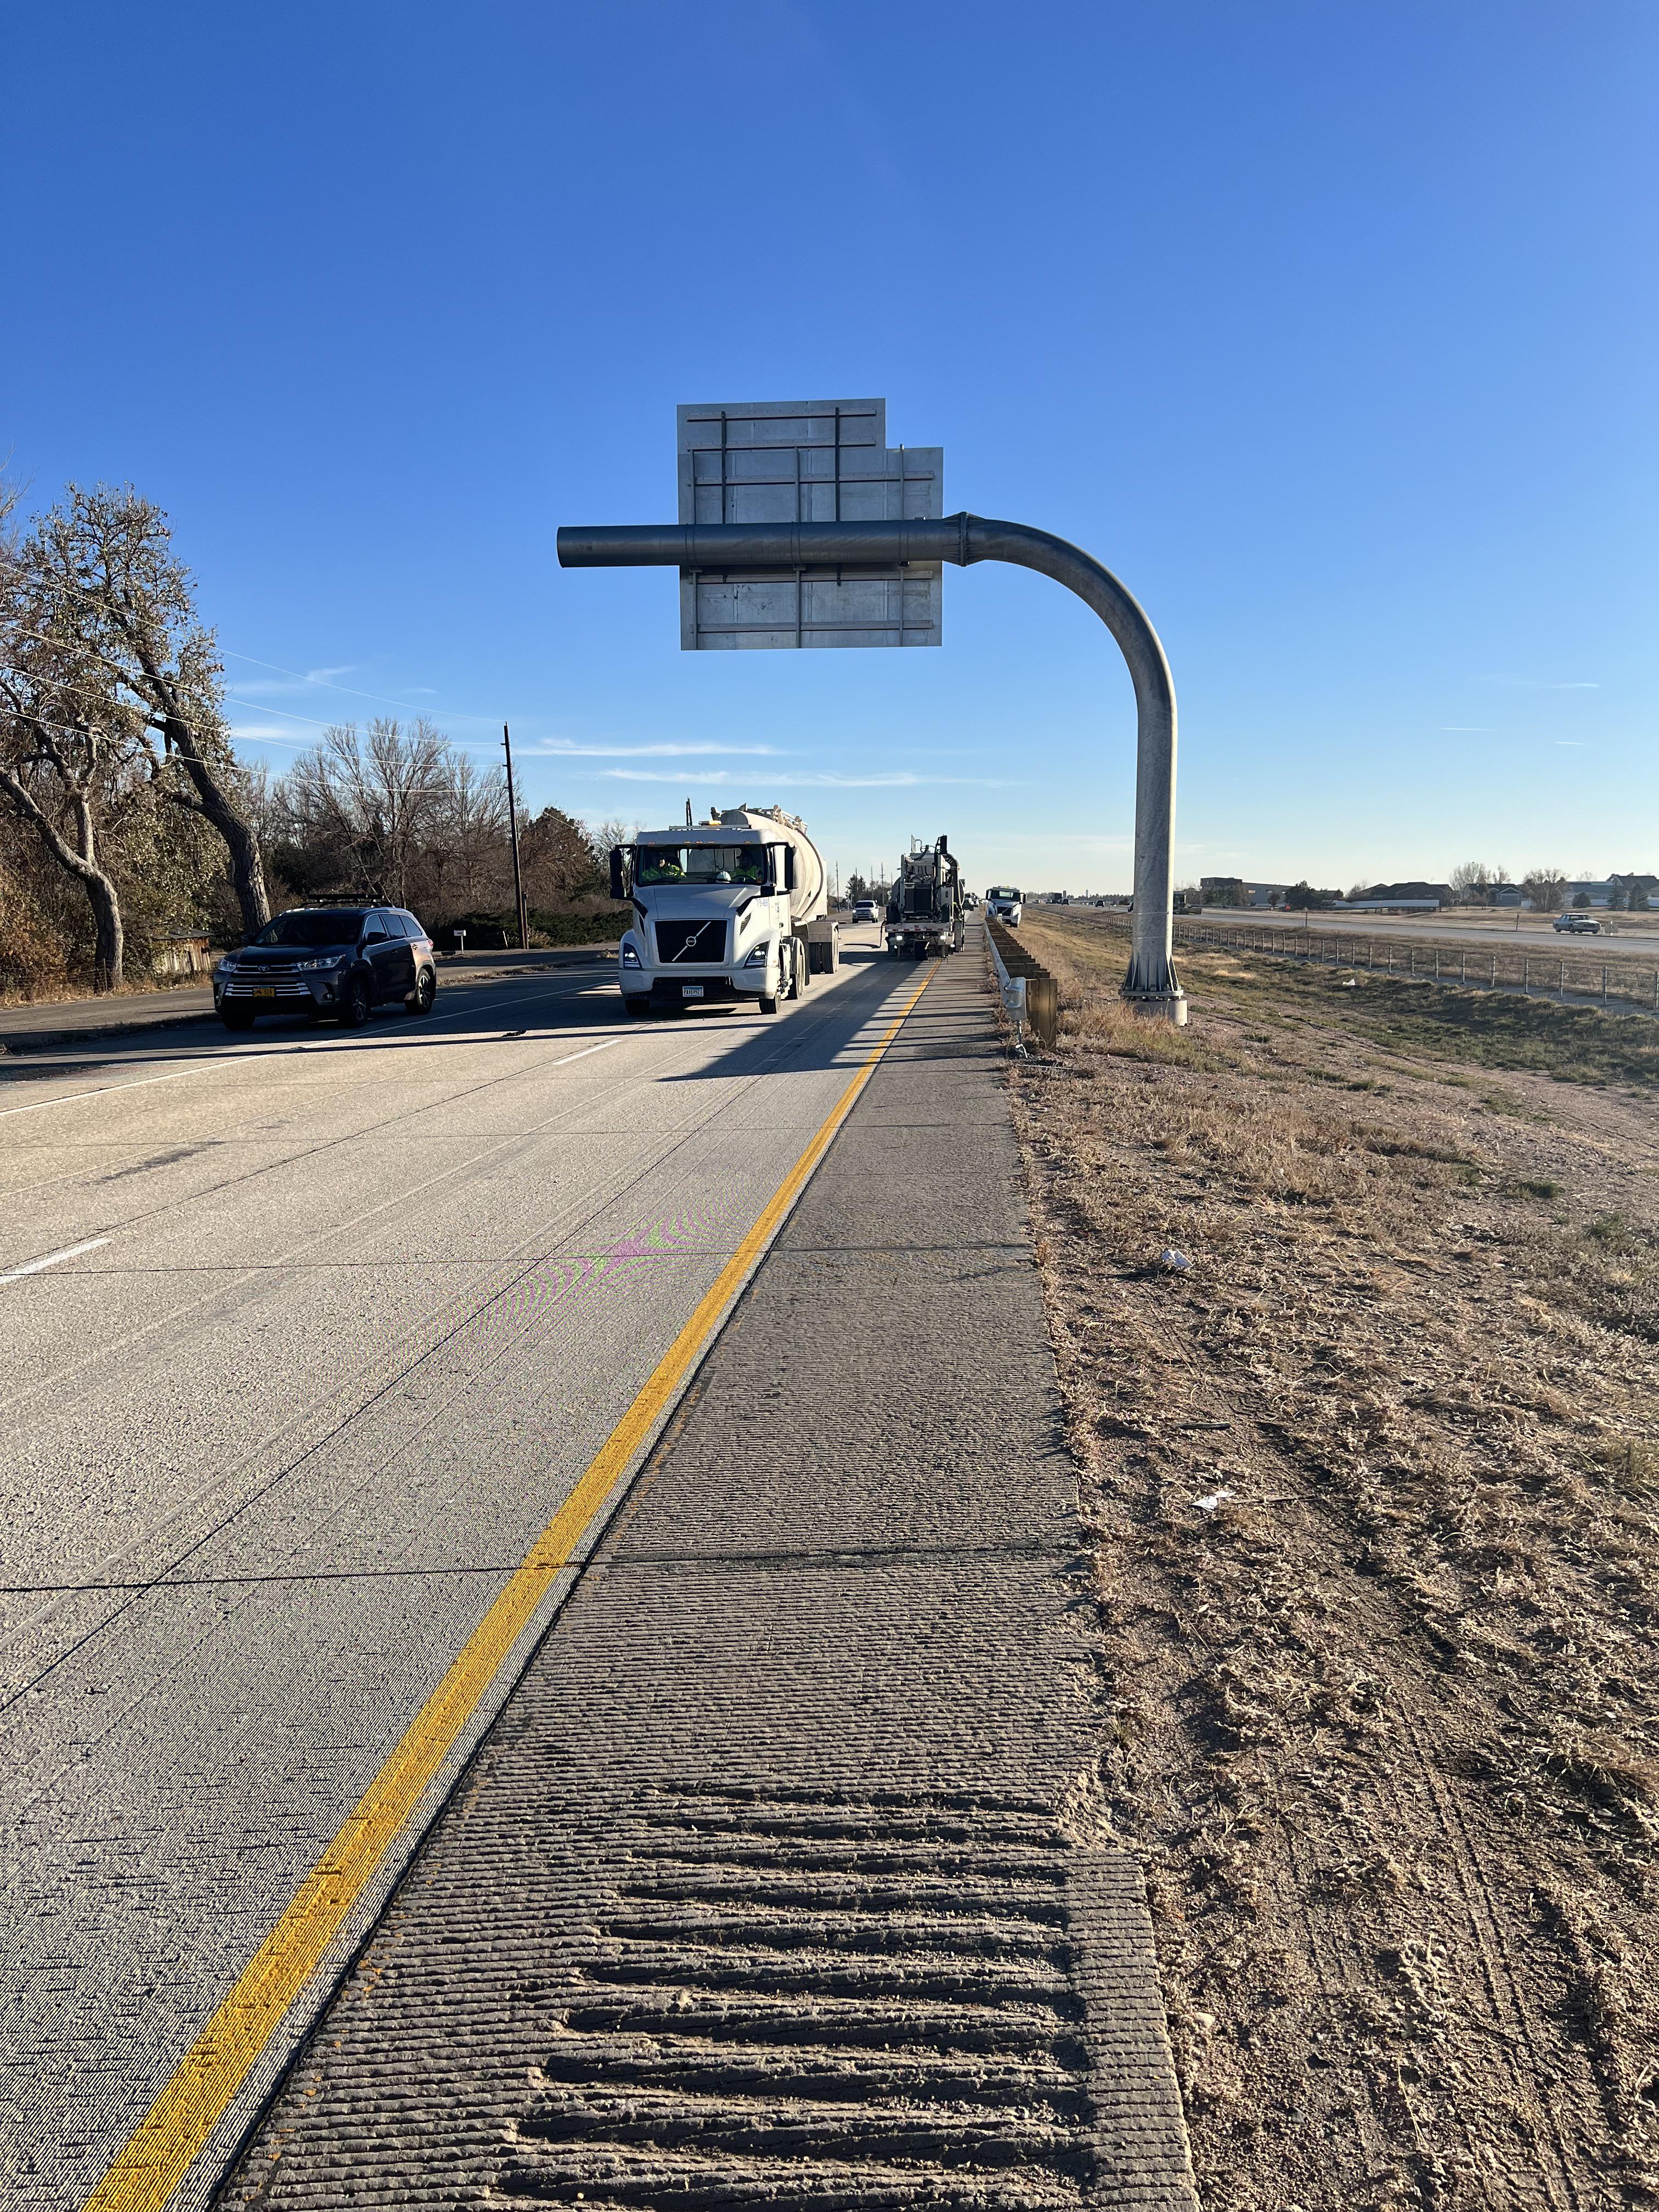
column 735, row 909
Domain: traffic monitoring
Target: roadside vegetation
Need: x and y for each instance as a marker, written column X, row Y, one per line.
column 128, row 821
column 1372, row 1484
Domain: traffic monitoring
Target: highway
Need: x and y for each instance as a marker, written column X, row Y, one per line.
column 310, row 1336
column 1632, row 940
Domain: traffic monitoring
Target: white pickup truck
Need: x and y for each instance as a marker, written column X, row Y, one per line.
column 1006, row 905
column 723, row 912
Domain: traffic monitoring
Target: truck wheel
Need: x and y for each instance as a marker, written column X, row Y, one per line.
column 767, row 1005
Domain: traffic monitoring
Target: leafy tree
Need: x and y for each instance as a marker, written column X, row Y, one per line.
column 562, row 859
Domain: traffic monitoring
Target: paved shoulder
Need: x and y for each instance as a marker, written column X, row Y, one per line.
column 775, row 1881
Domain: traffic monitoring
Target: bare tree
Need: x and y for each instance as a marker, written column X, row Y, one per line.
column 125, row 601
column 380, row 800
column 76, row 761
column 469, row 841
column 1546, row 887
column 1472, row 883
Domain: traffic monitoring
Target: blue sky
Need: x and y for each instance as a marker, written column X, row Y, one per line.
column 1330, row 327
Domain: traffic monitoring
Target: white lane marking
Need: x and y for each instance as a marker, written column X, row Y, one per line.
column 69, row 1097
column 234, row 1059
column 69, row 1252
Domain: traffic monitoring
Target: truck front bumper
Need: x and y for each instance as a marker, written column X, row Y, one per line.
column 695, row 990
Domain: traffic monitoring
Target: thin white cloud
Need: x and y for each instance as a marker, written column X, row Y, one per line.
column 559, row 749
column 327, row 675
column 898, row 778
column 1468, row 730
column 264, row 733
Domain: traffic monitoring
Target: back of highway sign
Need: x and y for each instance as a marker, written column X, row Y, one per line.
column 807, row 461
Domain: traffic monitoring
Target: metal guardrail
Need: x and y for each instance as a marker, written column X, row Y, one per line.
column 1622, row 986
column 1012, row 988
column 1038, row 993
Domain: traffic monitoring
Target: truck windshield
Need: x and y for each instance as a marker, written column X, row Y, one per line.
column 699, row 864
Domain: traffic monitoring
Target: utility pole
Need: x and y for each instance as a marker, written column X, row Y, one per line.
column 513, row 824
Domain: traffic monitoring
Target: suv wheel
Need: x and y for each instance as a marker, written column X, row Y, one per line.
column 419, row 1000
column 355, row 1006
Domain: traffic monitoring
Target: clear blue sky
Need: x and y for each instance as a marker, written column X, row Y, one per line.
column 1330, row 327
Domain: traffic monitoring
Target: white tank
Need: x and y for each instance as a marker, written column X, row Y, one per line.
column 810, row 897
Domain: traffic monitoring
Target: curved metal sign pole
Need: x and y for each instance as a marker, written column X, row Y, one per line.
column 1151, row 985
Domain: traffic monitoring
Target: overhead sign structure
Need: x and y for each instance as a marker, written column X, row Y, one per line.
column 773, row 550
column 806, row 460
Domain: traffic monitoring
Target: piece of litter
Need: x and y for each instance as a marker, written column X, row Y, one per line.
column 1216, row 1497
column 1178, row 1262
column 1349, row 983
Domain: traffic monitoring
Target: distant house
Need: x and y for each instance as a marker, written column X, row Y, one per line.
column 1401, row 898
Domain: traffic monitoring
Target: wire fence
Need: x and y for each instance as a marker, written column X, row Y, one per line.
column 1622, row 985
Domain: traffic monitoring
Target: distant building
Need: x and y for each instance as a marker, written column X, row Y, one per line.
column 1236, row 891
column 1401, row 898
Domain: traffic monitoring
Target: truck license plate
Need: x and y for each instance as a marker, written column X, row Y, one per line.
column 690, row 990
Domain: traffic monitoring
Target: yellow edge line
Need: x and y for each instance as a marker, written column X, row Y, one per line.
column 167, row 2141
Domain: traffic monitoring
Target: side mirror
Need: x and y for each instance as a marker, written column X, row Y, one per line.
column 789, row 868
column 618, row 873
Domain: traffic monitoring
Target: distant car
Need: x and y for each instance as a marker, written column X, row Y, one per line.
column 1005, row 904
column 338, row 960
column 1579, row 924
column 865, row 910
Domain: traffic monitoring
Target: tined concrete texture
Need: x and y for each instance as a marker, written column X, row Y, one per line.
column 775, row 1882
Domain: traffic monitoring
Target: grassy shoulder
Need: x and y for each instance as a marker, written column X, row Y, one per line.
column 1372, row 1485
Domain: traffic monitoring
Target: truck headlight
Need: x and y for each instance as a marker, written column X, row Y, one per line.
column 758, row 955
column 630, row 958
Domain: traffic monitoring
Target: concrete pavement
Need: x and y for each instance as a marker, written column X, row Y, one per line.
column 342, row 1318
column 778, row 1880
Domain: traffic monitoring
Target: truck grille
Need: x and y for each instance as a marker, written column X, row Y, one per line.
column 690, row 941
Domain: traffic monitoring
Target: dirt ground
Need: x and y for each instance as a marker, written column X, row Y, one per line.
column 1372, row 1485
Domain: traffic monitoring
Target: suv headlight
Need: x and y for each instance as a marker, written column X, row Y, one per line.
column 630, row 958
column 334, row 960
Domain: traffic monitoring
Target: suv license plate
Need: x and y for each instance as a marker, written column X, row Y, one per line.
column 264, row 991
column 690, row 990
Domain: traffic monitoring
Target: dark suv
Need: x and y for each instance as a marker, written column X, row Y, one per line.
column 340, row 960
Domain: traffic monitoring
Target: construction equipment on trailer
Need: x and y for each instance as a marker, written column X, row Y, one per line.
column 732, row 910
column 924, row 907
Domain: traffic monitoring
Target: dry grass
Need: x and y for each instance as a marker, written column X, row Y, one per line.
column 1372, row 1490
